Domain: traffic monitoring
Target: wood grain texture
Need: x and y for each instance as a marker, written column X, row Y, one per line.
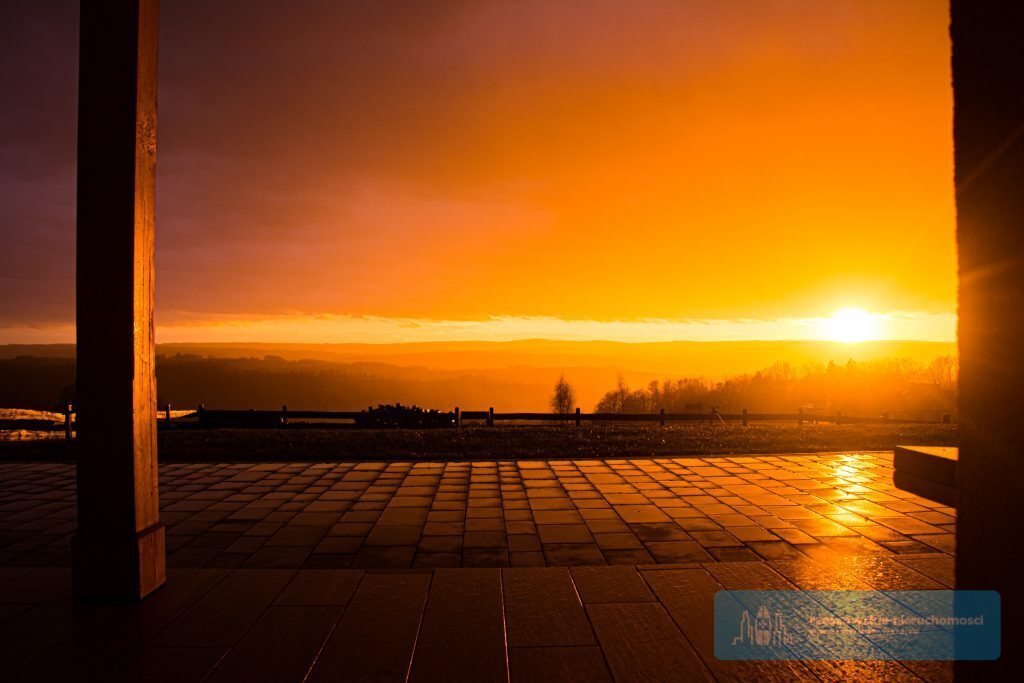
column 118, row 551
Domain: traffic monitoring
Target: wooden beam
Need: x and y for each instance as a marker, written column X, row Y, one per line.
column 118, row 552
column 988, row 132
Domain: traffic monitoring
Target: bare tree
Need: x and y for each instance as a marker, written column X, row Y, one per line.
column 563, row 401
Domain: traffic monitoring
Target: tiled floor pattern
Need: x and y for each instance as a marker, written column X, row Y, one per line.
column 532, row 624
column 504, row 513
column 324, row 572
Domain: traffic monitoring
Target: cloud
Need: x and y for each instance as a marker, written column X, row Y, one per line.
column 592, row 160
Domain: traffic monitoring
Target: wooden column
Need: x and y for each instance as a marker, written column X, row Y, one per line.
column 118, row 552
column 988, row 131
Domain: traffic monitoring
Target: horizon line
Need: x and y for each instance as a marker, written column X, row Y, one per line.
column 370, row 330
column 260, row 342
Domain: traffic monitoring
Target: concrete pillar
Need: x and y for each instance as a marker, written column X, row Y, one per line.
column 988, row 79
column 118, row 551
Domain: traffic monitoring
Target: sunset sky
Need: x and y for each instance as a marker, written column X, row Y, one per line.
column 470, row 169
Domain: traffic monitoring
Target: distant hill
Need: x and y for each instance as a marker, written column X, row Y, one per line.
column 709, row 359
column 507, row 375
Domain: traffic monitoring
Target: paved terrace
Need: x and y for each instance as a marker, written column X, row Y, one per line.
column 544, row 570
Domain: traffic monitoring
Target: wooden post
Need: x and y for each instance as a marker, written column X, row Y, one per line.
column 662, row 412
column 988, row 76
column 490, row 416
column 800, row 418
column 118, row 551
column 167, row 414
column 577, row 417
column 744, row 417
column 458, row 418
column 67, row 421
column 284, row 415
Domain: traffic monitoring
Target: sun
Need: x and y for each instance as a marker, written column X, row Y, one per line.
column 850, row 325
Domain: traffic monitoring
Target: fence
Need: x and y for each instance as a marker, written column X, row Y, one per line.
column 284, row 417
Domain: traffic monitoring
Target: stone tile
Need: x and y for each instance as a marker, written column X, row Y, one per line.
column 542, row 609
column 557, row 665
column 607, row 526
column 339, row 544
column 557, row 517
column 617, row 541
column 733, row 554
column 376, row 636
column 564, row 533
column 320, row 587
column 432, row 560
column 485, row 524
column 714, row 539
column 749, row 534
column 444, row 529
column 640, row 514
column 641, row 643
column 907, row 525
column 281, row 645
column 297, row 536
column 524, row 542
column 403, row 517
column 573, row 554
column 463, row 622
column 485, row 557
column 222, row 616
column 636, row 556
column 441, row 544
column 526, row 559
column 484, row 539
column 378, row 557
column 394, row 535
column 677, row 551
column 278, row 557
column 610, row 584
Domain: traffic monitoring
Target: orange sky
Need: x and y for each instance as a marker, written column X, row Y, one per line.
column 682, row 166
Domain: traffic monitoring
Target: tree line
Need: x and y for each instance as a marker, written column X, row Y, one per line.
column 868, row 388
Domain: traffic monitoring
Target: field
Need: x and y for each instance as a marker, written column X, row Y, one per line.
column 557, row 442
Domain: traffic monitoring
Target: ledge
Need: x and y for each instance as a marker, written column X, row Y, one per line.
column 927, row 471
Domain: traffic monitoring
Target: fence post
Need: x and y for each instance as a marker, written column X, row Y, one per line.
column 800, row 418
column 662, row 413
column 167, row 414
column 577, row 417
column 284, row 415
column 744, row 417
column 490, row 416
column 458, row 418
column 67, row 421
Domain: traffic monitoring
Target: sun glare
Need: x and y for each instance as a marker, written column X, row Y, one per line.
column 851, row 324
